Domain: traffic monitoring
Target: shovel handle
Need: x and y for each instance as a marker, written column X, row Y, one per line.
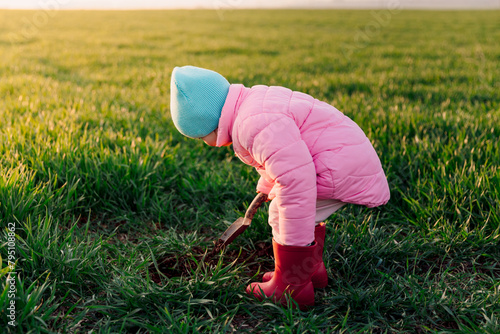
column 241, row 224
column 256, row 203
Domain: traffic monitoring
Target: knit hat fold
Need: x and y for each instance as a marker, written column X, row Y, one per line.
column 197, row 96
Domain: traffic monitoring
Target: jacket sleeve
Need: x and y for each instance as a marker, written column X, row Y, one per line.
column 275, row 143
column 264, row 186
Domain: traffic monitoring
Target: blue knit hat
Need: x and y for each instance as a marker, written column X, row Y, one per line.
column 197, row 96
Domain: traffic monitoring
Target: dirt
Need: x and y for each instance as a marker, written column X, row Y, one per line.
column 182, row 266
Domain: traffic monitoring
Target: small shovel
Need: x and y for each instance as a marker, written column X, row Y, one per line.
column 241, row 224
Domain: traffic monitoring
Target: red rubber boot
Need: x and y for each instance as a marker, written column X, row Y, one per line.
column 293, row 269
column 319, row 278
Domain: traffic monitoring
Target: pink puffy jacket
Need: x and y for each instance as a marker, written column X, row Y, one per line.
column 304, row 149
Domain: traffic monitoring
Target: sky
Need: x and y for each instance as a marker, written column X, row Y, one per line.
column 236, row 4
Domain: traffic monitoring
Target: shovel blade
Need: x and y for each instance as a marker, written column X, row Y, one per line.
column 234, row 230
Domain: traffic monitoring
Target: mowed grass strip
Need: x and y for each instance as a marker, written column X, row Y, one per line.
column 101, row 187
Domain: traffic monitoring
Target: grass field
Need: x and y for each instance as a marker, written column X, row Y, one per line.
column 99, row 185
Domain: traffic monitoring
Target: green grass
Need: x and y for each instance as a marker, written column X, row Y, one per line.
column 100, row 184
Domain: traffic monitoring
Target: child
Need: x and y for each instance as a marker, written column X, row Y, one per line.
column 312, row 160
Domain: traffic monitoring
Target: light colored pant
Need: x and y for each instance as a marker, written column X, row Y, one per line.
column 324, row 208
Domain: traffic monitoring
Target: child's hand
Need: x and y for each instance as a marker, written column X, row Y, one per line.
column 267, row 196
